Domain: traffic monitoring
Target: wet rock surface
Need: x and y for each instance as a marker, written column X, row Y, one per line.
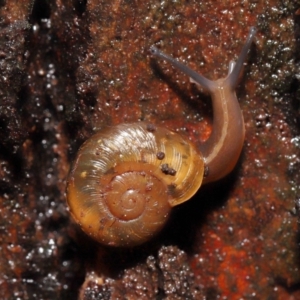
column 69, row 69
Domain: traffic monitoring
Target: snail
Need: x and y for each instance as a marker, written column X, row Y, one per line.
column 126, row 179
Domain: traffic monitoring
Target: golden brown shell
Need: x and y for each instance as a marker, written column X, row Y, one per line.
column 125, row 180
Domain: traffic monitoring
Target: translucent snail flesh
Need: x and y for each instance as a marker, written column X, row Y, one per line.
column 126, row 178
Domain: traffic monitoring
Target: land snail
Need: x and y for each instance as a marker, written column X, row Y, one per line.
column 126, row 179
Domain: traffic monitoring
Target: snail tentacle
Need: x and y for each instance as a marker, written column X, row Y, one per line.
column 232, row 78
column 222, row 149
column 194, row 76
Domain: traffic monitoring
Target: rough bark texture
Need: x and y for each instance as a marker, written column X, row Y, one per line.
column 69, row 68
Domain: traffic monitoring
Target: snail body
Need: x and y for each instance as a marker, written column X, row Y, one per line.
column 126, row 179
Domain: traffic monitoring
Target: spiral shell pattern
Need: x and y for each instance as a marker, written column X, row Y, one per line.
column 126, row 179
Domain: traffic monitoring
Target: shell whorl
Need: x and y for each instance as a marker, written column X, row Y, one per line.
column 126, row 179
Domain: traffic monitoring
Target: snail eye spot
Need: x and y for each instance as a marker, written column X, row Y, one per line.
column 160, row 155
column 151, row 127
column 167, row 170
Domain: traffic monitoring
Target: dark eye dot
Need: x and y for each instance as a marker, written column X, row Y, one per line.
column 167, row 170
column 151, row 127
column 160, row 155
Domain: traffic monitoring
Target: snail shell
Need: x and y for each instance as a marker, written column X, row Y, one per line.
column 126, row 179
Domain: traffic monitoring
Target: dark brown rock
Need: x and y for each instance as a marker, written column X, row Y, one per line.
column 71, row 67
